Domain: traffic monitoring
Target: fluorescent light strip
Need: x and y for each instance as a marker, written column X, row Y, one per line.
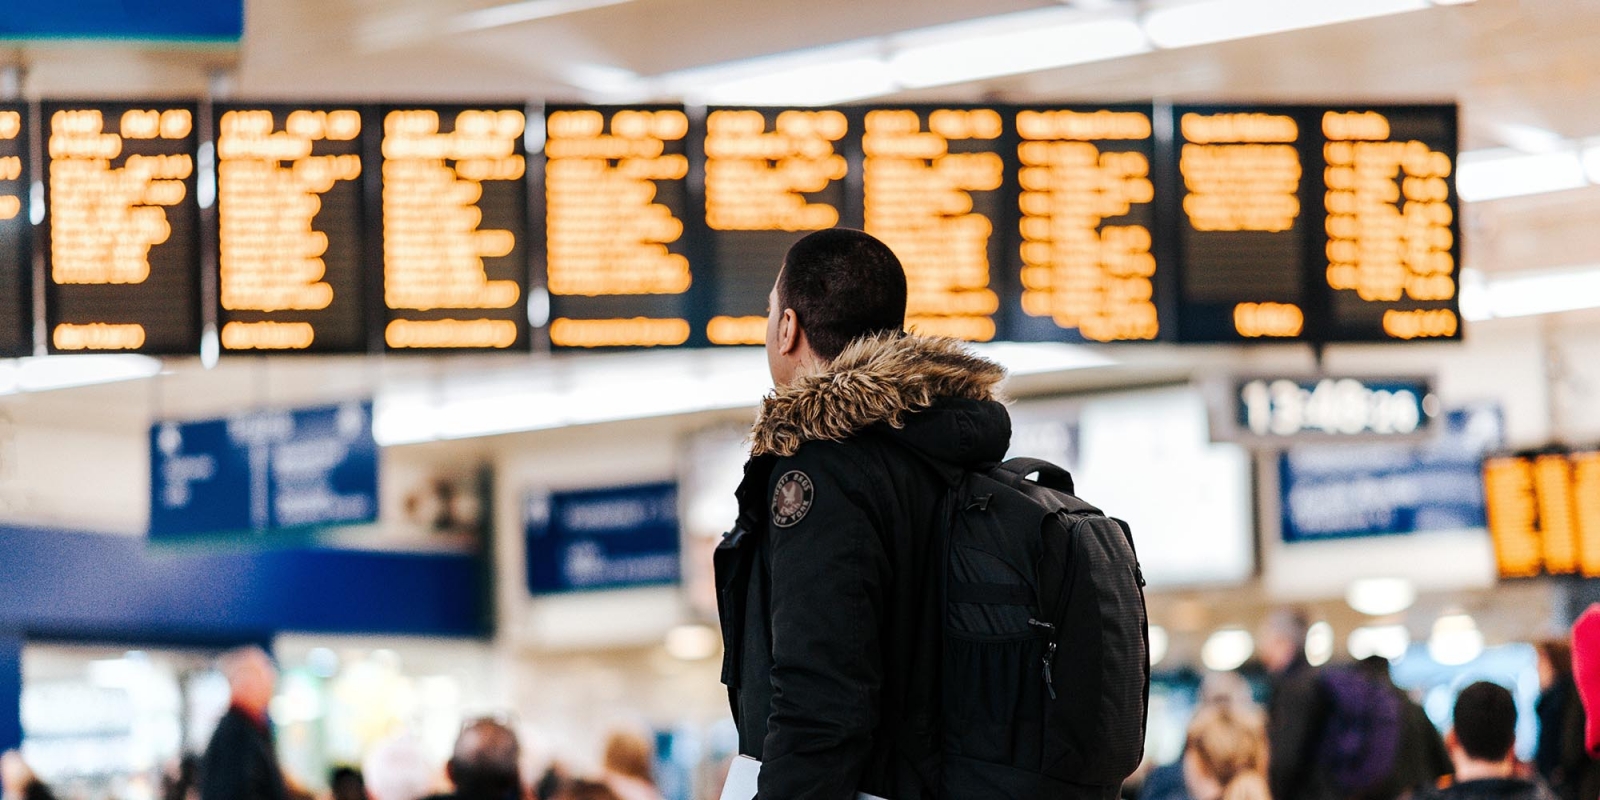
column 527, row 11
column 1529, row 294
column 64, row 372
column 1495, row 174
column 1223, row 20
column 606, row 389
column 994, row 46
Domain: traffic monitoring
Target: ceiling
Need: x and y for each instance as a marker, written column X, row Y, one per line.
column 1514, row 66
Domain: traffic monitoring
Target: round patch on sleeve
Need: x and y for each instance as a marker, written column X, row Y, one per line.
column 792, row 499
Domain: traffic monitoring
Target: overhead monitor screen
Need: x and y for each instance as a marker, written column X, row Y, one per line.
column 1544, row 513
column 16, row 234
column 1391, row 227
column 289, row 228
column 771, row 175
column 1088, row 249
column 931, row 190
column 455, row 228
column 122, row 259
column 615, row 199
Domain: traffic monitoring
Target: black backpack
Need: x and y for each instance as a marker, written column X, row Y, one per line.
column 1046, row 669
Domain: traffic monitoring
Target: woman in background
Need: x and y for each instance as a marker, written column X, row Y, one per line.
column 1226, row 754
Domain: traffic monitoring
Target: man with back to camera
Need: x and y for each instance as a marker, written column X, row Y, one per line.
column 832, row 653
column 1482, row 741
column 485, row 764
column 241, row 762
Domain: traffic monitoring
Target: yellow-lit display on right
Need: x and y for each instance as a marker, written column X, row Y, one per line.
column 1544, row 513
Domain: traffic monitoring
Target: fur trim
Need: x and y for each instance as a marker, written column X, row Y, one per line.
column 876, row 379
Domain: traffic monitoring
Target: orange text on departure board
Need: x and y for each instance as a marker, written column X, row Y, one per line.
column 918, row 200
column 105, row 219
column 1389, row 221
column 606, row 235
column 1544, row 513
column 1240, row 172
column 757, row 180
column 433, row 247
column 10, row 166
column 1077, row 270
column 269, row 191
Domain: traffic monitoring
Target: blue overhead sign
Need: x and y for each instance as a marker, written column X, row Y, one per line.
column 1346, row 491
column 602, row 538
column 264, row 470
column 127, row 20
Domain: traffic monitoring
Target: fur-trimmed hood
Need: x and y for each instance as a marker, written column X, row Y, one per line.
column 885, row 379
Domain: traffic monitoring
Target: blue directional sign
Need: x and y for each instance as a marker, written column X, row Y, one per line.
column 602, row 538
column 1352, row 490
column 129, row 20
column 262, row 471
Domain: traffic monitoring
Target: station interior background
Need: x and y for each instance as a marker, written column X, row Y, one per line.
column 108, row 697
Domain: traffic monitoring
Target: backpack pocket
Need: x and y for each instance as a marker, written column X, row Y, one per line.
column 994, row 699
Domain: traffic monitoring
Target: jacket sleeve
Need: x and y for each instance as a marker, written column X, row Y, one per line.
column 829, row 578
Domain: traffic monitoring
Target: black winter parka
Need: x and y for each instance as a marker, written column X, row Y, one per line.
column 827, row 585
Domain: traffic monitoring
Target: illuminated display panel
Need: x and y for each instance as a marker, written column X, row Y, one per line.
column 616, row 261
column 289, row 228
column 1243, row 224
column 1088, row 250
column 16, row 234
column 122, row 258
column 932, row 180
column 771, row 175
column 455, row 227
column 1390, row 239
column 1544, row 513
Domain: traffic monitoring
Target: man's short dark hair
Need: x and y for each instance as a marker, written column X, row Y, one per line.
column 485, row 763
column 843, row 284
column 1486, row 721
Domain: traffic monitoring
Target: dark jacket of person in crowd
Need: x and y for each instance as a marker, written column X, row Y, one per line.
column 1296, row 713
column 832, row 649
column 1494, row 789
column 1559, row 756
column 241, row 762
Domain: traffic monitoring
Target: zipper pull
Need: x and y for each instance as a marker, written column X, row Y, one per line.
column 1049, row 658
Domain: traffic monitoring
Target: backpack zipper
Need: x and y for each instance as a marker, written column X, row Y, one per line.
column 1049, row 658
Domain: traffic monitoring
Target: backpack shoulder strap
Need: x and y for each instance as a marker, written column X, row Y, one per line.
column 1050, row 475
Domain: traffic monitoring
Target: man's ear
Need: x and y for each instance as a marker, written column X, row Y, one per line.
column 789, row 334
column 1451, row 743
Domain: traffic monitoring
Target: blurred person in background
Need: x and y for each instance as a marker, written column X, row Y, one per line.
column 1296, row 707
column 241, row 763
column 587, row 790
column 178, row 779
column 17, row 781
column 486, row 764
column 629, row 764
column 1482, row 739
column 1559, row 755
column 398, row 768
column 1422, row 759
column 1225, row 755
column 1228, row 689
column 346, row 784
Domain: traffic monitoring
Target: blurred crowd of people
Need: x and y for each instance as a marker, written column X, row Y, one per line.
column 1347, row 732
column 1344, row 732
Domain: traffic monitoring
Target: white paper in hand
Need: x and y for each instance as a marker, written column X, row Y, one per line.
column 741, row 783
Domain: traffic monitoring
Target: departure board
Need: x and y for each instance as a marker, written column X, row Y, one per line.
column 1245, row 223
column 455, row 227
column 931, row 190
column 1390, row 234
column 771, row 175
column 16, row 234
column 289, row 228
column 616, row 260
column 122, row 259
column 1544, row 513
column 1087, row 249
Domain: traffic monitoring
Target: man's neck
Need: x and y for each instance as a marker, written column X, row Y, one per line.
column 1473, row 770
